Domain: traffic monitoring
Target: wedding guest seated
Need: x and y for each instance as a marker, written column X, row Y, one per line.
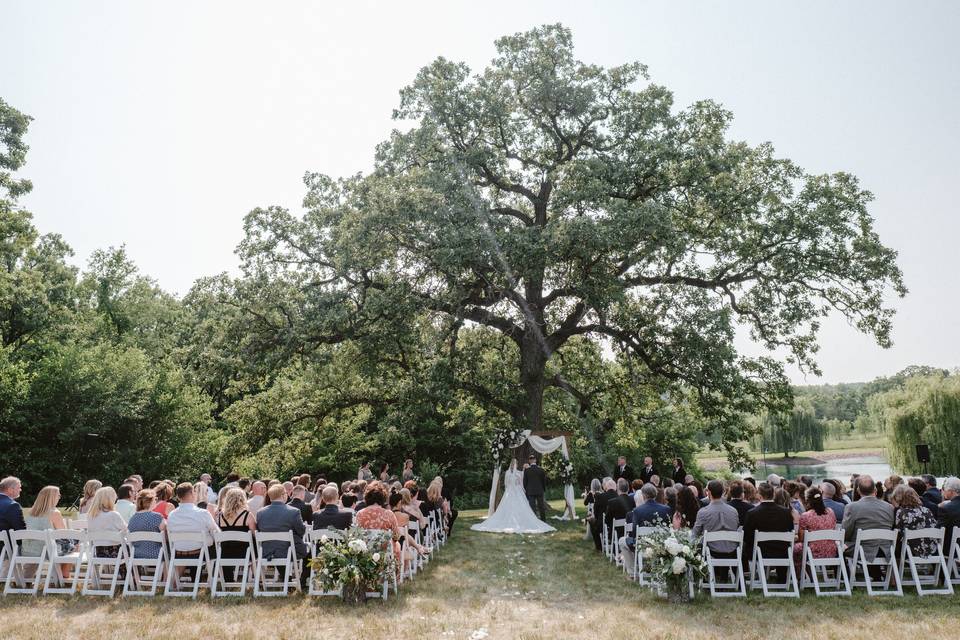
column 297, row 501
column 146, row 520
column 164, row 493
column 258, row 490
column 930, row 496
column 304, row 481
column 817, row 517
column 201, row 491
column 949, row 512
column 11, row 515
column 767, row 516
column 234, row 516
column 910, row 514
column 125, row 505
column 735, row 495
column 278, row 517
column 795, row 490
column 90, row 487
column 828, row 490
column 408, row 545
column 782, row 498
column 348, row 501
column 187, row 517
column 44, row 515
column 376, row 516
column 618, row 508
column 600, row 501
column 406, row 502
column 102, row 516
column 717, row 516
column 288, row 491
column 360, row 490
column 869, row 512
column 685, row 515
column 919, row 487
column 330, row 516
column 649, row 513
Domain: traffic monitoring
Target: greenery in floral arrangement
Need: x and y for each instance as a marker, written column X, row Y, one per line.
column 503, row 441
column 671, row 558
column 565, row 473
column 360, row 558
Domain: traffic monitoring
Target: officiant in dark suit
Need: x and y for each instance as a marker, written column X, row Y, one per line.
column 534, row 486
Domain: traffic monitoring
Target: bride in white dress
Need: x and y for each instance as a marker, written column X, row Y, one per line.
column 514, row 514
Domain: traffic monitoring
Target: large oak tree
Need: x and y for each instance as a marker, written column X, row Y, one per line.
column 545, row 198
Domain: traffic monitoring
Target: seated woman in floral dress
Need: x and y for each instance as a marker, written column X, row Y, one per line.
column 376, row 516
column 817, row 517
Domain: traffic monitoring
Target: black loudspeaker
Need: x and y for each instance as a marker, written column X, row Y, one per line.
column 923, row 453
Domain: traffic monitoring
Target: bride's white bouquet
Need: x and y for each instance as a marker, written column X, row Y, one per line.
column 672, row 560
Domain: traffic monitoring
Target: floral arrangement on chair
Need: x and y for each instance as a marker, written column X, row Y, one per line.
column 673, row 561
column 356, row 563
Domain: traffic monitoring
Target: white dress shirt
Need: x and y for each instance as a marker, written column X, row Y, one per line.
column 187, row 517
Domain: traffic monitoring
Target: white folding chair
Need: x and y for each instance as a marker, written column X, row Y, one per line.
column 78, row 524
column 953, row 556
column 145, row 575
column 316, row 537
column 18, row 571
column 925, row 572
column 619, row 526
column 220, row 586
column 605, row 539
column 416, row 560
column 4, row 555
column 858, row 562
column 640, row 574
column 627, row 533
column 761, row 565
column 178, row 541
column 736, row 585
column 267, row 579
column 816, row 572
column 104, row 570
column 56, row 582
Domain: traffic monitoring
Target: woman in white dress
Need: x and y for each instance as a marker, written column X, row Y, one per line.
column 514, row 514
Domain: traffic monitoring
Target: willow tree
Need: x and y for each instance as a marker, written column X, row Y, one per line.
column 546, row 198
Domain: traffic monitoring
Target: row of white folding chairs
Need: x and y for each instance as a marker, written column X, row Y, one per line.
column 833, row 575
column 101, row 574
column 837, row 574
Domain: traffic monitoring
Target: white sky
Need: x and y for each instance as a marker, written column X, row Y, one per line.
column 159, row 125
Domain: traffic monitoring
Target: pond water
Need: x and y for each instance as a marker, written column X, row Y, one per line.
column 839, row 468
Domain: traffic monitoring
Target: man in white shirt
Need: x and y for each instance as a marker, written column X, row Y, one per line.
column 211, row 494
column 187, row 517
column 255, row 503
column 125, row 504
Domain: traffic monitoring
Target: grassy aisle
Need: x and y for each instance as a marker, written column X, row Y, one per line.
column 524, row 588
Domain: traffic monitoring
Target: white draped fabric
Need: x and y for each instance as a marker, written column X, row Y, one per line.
column 544, row 446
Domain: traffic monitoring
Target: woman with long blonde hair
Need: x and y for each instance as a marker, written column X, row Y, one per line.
column 89, row 488
column 42, row 516
column 103, row 516
column 234, row 516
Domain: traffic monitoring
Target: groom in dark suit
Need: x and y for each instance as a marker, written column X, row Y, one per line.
column 534, row 485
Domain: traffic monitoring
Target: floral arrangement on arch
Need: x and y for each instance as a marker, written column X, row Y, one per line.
column 360, row 560
column 672, row 559
column 566, row 472
column 505, row 440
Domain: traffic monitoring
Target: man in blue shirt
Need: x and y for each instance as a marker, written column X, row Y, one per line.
column 650, row 513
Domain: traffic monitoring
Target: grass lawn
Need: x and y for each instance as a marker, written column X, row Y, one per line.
column 552, row 586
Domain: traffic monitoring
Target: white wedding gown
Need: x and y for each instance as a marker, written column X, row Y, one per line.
column 514, row 514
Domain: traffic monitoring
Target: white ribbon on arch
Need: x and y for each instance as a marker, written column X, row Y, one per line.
column 544, row 446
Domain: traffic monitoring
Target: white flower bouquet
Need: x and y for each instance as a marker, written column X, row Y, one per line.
column 672, row 561
column 357, row 563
